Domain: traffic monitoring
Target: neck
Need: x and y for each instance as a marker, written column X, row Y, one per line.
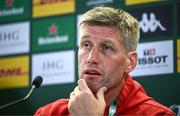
column 114, row 93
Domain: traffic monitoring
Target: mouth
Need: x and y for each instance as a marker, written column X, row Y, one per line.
column 92, row 73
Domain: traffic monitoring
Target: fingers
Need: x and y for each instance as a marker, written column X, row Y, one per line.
column 72, row 95
column 83, row 85
column 75, row 92
column 100, row 94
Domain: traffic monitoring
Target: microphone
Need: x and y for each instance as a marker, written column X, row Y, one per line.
column 35, row 84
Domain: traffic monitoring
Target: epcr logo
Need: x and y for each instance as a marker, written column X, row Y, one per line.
column 176, row 109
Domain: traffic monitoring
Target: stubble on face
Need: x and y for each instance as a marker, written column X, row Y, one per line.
column 112, row 65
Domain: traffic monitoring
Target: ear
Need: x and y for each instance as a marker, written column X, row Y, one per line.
column 132, row 61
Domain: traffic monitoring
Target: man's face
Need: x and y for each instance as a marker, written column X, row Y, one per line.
column 102, row 59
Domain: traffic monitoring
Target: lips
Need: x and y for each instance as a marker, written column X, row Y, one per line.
column 92, row 73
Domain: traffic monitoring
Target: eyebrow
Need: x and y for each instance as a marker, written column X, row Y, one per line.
column 108, row 42
column 104, row 41
column 85, row 37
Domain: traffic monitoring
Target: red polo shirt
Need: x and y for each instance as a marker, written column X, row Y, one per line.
column 132, row 101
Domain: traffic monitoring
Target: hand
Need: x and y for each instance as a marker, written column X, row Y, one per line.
column 83, row 102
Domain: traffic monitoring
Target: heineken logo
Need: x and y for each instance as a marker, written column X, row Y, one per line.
column 9, row 3
column 10, row 9
column 53, row 29
column 51, row 40
column 53, row 36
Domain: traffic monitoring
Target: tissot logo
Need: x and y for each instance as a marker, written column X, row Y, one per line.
column 152, row 20
column 150, row 24
column 150, row 57
column 153, row 60
column 57, row 67
column 12, row 72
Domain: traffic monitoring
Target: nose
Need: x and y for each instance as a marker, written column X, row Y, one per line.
column 93, row 56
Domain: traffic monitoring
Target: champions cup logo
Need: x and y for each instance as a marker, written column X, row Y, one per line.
column 150, row 24
column 150, row 58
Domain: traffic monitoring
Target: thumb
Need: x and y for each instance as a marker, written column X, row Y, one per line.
column 100, row 94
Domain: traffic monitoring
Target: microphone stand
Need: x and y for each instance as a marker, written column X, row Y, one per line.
column 36, row 84
column 19, row 100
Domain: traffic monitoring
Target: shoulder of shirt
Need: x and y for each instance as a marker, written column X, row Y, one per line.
column 158, row 108
column 54, row 108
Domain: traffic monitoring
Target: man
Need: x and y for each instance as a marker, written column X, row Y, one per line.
column 107, row 53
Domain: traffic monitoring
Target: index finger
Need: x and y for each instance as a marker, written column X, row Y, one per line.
column 83, row 85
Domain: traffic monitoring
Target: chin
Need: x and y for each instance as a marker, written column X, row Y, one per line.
column 93, row 87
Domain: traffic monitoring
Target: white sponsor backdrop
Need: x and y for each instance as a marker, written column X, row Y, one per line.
column 14, row 38
column 154, row 58
column 78, row 31
column 55, row 68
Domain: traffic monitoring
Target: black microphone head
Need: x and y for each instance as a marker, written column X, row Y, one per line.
column 37, row 81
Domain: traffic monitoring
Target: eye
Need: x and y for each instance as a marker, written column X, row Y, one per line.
column 107, row 47
column 85, row 44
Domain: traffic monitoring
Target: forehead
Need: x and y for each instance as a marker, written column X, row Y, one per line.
column 105, row 32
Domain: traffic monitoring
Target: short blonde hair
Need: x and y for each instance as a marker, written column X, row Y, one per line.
column 127, row 24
